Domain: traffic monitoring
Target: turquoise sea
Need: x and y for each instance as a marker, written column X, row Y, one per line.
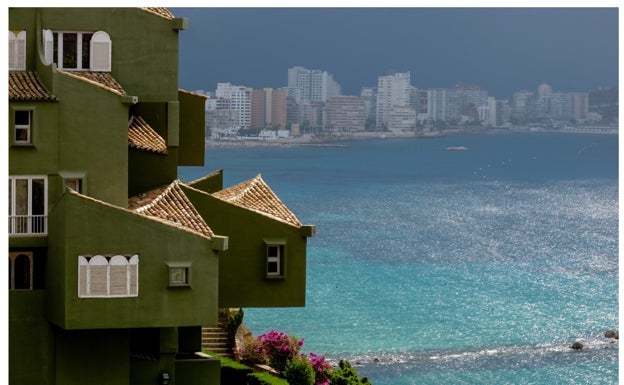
column 451, row 267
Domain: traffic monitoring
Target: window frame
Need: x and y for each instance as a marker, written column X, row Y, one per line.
column 27, row 127
column 278, row 258
column 13, row 255
column 87, row 275
column 73, row 183
column 29, row 216
column 184, row 268
column 97, row 59
column 79, row 177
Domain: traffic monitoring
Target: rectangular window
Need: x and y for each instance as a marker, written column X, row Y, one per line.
column 275, row 260
column 23, row 126
column 28, row 205
column 71, row 50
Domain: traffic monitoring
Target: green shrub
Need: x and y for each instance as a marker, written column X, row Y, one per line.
column 345, row 374
column 299, row 372
column 265, row 379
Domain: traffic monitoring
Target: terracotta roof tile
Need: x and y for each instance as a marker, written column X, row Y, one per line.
column 171, row 205
column 256, row 195
column 26, row 86
column 100, row 79
column 143, row 137
column 160, row 11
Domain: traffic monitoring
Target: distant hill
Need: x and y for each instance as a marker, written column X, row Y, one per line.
column 605, row 101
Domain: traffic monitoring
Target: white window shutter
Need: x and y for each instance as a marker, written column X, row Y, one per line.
column 48, row 46
column 12, row 51
column 83, row 284
column 101, row 48
column 21, row 51
column 133, row 270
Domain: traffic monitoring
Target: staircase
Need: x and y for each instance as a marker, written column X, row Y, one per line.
column 215, row 338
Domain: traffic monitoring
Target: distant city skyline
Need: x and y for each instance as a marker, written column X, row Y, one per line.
column 501, row 49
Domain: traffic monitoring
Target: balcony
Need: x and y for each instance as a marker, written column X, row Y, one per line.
column 28, row 225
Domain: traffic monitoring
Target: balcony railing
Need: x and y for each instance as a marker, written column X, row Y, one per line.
column 28, row 225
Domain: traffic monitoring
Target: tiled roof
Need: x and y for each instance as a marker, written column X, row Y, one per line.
column 256, row 195
column 100, row 79
column 26, row 86
column 161, row 11
column 171, row 205
column 143, row 137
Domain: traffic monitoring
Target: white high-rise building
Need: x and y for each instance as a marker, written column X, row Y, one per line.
column 311, row 85
column 443, row 104
column 240, row 100
column 392, row 91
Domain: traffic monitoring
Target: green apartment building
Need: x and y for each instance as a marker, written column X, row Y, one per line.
column 115, row 264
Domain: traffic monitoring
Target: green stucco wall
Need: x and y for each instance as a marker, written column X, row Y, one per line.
column 144, row 45
column 80, row 354
column 92, row 144
column 31, row 340
column 42, row 157
column 210, row 183
column 81, row 226
column 242, row 268
column 192, row 129
column 149, row 170
column 197, row 371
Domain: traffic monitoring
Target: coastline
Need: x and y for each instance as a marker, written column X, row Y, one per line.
column 333, row 140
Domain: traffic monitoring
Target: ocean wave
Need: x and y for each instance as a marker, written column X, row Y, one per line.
column 596, row 349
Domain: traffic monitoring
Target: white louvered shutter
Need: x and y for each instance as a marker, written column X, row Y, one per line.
column 20, row 51
column 12, row 44
column 101, row 48
column 48, row 46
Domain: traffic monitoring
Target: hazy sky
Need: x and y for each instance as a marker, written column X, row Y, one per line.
column 502, row 49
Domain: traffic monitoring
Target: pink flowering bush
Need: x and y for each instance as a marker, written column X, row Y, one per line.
column 251, row 353
column 279, row 348
column 281, row 352
column 322, row 369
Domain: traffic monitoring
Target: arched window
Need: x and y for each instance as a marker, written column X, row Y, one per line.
column 108, row 276
column 21, row 271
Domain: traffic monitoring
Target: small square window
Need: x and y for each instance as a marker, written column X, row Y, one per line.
column 23, row 126
column 74, row 184
column 275, row 260
column 178, row 276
